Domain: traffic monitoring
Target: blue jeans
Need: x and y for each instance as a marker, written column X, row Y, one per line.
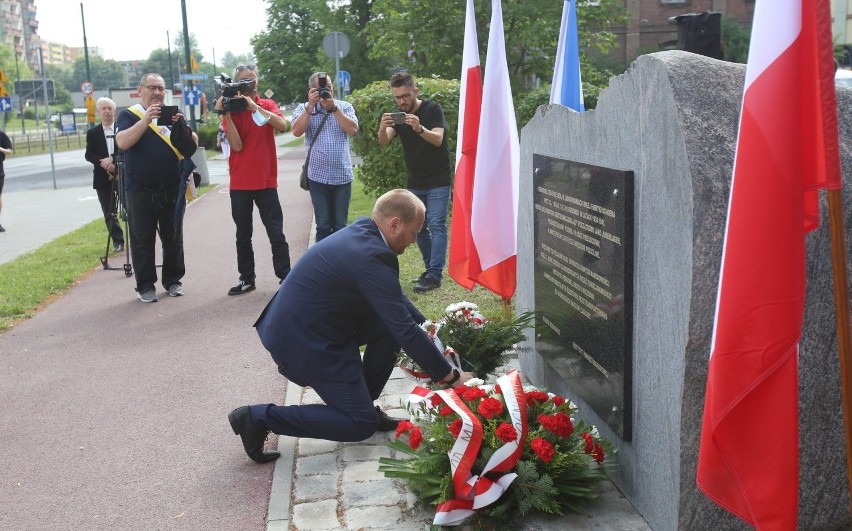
column 269, row 207
column 432, row 239
column 331, row 206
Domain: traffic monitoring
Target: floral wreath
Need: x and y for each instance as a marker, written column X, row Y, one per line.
column 493, row 451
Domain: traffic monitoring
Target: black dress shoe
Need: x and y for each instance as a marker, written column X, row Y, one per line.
column 253, row 438
column 386, row 423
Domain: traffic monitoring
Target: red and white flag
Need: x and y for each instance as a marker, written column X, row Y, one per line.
column 494, row 211
column 787, row 148
column 470, row 103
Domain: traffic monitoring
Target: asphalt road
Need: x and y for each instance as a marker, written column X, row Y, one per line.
column 115, row 412
column 35, row 172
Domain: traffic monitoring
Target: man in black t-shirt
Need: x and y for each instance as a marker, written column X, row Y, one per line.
column 5, row 149
column 421, row 128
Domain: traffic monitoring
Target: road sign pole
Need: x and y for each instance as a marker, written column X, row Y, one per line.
column 337, row 62
column 20, row 98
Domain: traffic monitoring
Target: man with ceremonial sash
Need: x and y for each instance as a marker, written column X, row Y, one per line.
column 152, row 183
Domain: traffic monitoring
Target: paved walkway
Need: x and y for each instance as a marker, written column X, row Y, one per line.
column 115, row 412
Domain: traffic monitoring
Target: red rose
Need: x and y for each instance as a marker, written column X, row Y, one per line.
column 446, row 411
column 460, row 389
column 590, row 443
column 436, row 399
column 403, row 427
column 558, row 400
column 559, row 424
column 415, row 438
column 543, row 449
column 473, row 393
column 506, row 432
column 455, row 427
column 490, row 407
column 598, row 453
column 536, row 397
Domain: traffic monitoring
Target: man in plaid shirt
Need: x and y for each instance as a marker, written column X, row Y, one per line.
column 330, row 167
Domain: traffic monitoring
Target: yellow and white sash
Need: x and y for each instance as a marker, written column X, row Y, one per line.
column 162, row 132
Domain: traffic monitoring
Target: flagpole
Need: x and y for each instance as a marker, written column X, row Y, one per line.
column 841, row 302
column 507, row 307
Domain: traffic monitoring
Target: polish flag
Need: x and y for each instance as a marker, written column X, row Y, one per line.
column 787, row 149
column 494, row 211
column 470, row 102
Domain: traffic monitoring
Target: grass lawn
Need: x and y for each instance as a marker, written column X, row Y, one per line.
column 30, row 281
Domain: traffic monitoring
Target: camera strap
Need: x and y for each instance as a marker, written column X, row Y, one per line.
column 140, row 112
column 316, row 136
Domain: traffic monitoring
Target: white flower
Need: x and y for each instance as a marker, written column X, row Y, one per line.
column 474, row 382
column 460, row 307
column 594, row 431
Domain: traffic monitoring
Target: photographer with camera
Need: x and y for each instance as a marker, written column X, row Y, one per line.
column 421, row 126
column 330, row 166
column 250, row 123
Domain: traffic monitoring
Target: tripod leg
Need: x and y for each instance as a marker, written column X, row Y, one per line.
column 125, row 216
column 110, row 221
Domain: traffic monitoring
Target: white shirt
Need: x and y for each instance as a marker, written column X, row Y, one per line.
column 109, row 133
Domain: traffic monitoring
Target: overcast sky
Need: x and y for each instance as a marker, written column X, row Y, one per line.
column 125, row 30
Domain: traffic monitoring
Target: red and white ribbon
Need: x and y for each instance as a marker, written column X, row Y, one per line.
column 476, row 491
column 506, row 457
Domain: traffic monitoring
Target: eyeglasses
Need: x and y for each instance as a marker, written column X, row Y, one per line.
column 403, row 96
column 243, row 68
column 155, row 88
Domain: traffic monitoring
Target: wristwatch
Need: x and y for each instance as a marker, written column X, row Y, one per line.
column 422, row 130
column 333, row 108
column 454, row 379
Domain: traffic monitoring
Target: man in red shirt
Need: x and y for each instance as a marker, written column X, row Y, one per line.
column 254, row 177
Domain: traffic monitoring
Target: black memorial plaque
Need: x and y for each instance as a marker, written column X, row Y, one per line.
column 584, row 282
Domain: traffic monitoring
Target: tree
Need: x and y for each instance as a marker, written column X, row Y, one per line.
column 158, row 62
column 735, row 40
column 179, row 48
column 62, row 74
column 230, row 61
column 288, row 51
column 398, row 34
column 8, row 64
column 105, row 73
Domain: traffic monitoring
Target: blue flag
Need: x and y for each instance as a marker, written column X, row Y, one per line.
column 567, row 88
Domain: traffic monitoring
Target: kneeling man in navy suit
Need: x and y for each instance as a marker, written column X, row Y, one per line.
column 343, row 293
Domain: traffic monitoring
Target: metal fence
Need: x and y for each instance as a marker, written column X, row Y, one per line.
column 38, row 141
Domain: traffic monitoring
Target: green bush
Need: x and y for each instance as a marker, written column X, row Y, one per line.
column 382, row 168
column 207, row 135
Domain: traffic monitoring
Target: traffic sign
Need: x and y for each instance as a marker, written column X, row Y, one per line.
column 201, row 77
column 343, row 80
column 87, row 87
column 336, row 45
column 191, row 97
column 5, row 104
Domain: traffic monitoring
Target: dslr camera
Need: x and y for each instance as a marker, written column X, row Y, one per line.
column 322, row 81
column 229, row 91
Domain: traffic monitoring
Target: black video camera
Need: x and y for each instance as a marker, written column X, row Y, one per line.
column 229, row 92
column 322, row 81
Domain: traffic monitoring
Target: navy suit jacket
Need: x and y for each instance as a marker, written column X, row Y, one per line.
column 96, row 149
column 343, row 292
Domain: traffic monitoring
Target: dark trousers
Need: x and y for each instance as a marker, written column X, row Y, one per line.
column 109, row 206
column 150, row 213
column 269, row 208
column 348, row 413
